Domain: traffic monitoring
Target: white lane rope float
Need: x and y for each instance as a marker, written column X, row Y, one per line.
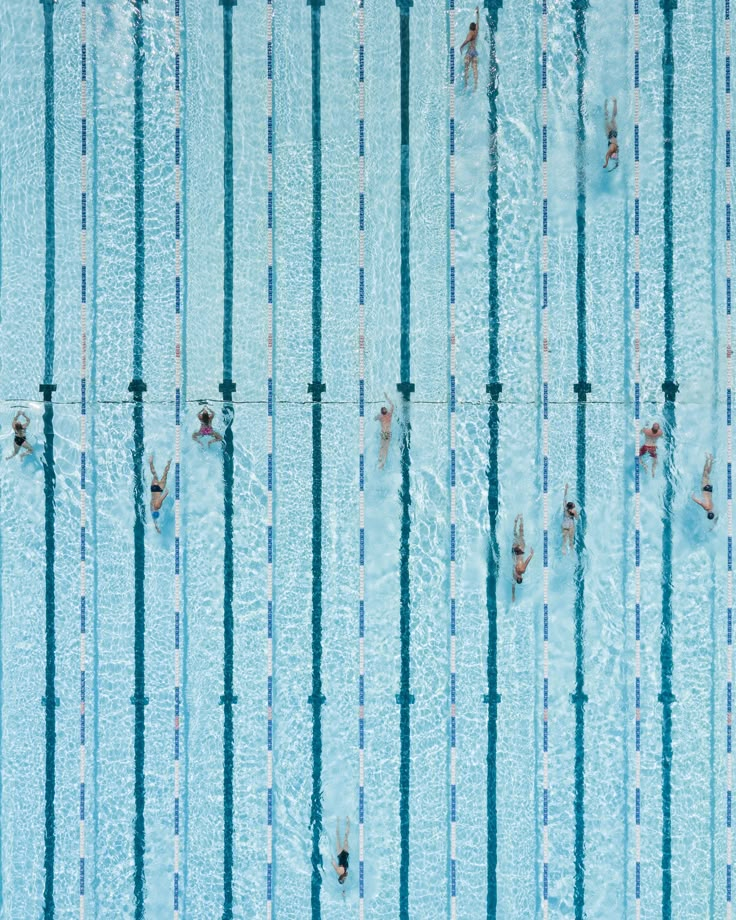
column 545, row 483
column 637, row 481
column 729, row 468
column 270, row 471
column 453, row 493
column 177, row 457
column 83, row 468
column 361, row 449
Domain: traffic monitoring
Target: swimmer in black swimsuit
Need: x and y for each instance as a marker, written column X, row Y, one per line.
column 611, row 134
column 341, row 866
column 159, row 492
column 20, row 442
column 706, row 502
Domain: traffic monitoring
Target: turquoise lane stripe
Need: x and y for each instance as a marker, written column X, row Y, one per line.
column 494, row 389
column 316, row 388
column 582, row 388
column 47, row 389
column 227, row 388
column 405, row 387
column 137, row 387
column 666, row 697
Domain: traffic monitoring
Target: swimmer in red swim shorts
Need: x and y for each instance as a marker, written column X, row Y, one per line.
column 649, row 447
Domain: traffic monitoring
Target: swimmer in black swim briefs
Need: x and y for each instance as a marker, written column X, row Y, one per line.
column 706, row 502
column 343, row 852
column 159, row 492
column 20, row 442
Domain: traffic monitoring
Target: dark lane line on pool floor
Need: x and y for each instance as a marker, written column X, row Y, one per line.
column 228, row 698
column 404, row 697
column 493, row 388
column 670, row 388
column 316, row 388
column 581, row 388
column 137, row 387
column 47, row 388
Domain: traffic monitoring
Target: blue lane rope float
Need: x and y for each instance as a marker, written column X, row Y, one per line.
column 177, row 458
column 637, row 481
column 361, row 460
column 545, row 481
column 83, row 466
column 270, row 462
column 453, row 490
column 729, row 469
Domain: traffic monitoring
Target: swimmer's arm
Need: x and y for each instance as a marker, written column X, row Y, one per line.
column 698, row 501
column 528, row 559
column 334, row 866
column 564, row 499
column 608, row 157
column 388, row 399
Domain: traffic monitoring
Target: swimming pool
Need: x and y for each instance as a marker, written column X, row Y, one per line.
column 291, row 212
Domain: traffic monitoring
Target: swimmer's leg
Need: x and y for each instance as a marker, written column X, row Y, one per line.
column 196, row 437
column 15, row 451
column 166, row 473
column 475, row 74
column 467, row 68
column 347, row 833
column 383, row 454
column 215, row 437
column 337, row 836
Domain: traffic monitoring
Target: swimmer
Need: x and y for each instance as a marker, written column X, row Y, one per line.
column 158, row 492
column 570, row 514
column 20, row 441
column 651, row 436
column 206, row 417
column 706, row 502
column 517, row 548
column 471, row 55
column 611, row 134
column 384, row 417
column 341, row 866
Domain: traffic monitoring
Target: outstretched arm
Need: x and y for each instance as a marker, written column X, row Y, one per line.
column 388, row 400
column 698, row 501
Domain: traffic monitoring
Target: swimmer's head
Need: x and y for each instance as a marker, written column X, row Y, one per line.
column 473, row 27
column 155, row 515
column 711, row 515
column 384, row 410
column 518, row 579
column 570, row 506
column 342, row 878
column 655, row 427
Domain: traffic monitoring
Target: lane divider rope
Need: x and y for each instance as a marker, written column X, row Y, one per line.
column 637, row 481
column 361, row 449
column 270, row 471
column 83, row 467
column 545, row 482
column 177, row 456
column 729, row 475
column 453, row 495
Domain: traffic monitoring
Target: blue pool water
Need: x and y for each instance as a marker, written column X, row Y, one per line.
column 453, row 822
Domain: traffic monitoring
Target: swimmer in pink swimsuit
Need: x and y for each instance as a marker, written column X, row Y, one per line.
column 471, row 55
column 206, row 417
